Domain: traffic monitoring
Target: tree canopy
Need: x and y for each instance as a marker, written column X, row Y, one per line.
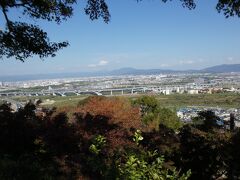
column 22, row 40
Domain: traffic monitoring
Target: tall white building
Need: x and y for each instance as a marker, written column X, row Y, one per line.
column 193, row 91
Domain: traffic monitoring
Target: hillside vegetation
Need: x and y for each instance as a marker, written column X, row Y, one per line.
column 114, row 138
column 225, row 100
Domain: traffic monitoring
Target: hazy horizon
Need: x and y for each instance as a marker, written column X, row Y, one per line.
column 103, row 70
column 144, row 35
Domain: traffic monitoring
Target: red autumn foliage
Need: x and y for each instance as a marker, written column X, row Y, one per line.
column 114, row 118
column 117, row 110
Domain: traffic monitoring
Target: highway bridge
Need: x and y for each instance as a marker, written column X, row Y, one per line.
column 98, row 92
column 60, row 92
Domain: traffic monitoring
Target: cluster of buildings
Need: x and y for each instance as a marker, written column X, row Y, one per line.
column 190, row 83
column 189, row 113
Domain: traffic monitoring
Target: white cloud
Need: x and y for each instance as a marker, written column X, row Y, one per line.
column 103, row 63
column 230, row 59
column 100, row 63
column 164, row 65
column 186, row 62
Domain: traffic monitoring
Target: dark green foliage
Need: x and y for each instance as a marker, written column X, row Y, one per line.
column 207, row 153
column 59, row 136
column 96, row 9
column 31, row 147
column 229, row 7
column 190, row 4
column 25, row 167
column 208, row 119
column 97, row 147
column 232, row 122
column 18, row 130
column 165, row 141
column 153, row 114
column 147, row 165
column 22, row 40
column 147, row 104
column 234, row 167
column 168, row 118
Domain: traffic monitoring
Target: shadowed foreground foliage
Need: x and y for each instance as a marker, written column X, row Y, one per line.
column 107, row 138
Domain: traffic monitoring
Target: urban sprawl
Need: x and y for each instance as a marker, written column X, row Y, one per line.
column 165, row 84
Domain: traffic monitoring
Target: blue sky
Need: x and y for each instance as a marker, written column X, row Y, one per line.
column 149, row 34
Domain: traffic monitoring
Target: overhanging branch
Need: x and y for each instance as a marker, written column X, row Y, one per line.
column 5, row 16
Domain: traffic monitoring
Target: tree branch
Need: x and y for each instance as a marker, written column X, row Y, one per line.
column 18, row 5
column 5, row 16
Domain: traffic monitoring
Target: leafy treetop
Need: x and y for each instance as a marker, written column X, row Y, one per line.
column 22, row 40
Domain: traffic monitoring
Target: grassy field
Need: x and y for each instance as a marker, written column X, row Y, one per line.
column 56, row 101
column 225, row 100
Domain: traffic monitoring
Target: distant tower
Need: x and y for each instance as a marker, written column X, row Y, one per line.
column 232, row 123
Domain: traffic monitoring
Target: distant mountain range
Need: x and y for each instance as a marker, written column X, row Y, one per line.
column 224, row 68
column 133, row 71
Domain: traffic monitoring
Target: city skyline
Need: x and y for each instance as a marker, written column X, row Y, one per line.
column 141, row 35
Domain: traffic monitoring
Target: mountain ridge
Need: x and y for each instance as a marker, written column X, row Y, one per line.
column 223, row 68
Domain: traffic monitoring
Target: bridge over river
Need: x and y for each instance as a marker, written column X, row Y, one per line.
column 98, row 92
column 61, row 92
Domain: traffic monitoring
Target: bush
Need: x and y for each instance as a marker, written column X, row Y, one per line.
column 153, row 114
column 148, row 165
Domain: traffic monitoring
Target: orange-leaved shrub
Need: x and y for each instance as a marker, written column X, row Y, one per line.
column 114, row 118
column 118, row 110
